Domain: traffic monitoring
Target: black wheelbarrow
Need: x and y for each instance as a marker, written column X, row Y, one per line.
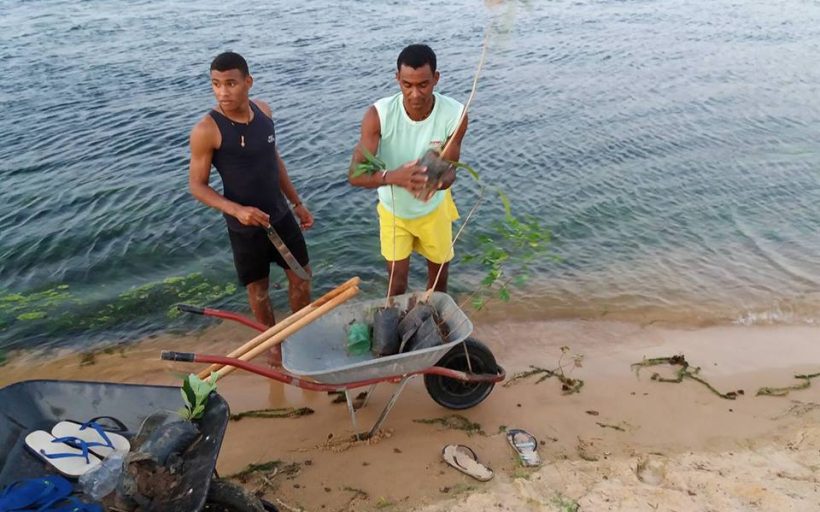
column 39, row 404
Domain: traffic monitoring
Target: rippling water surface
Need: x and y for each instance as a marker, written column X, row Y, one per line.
column 671, row 147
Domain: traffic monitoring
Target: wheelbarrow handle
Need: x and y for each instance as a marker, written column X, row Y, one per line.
column 225, row 315
column 170, row 355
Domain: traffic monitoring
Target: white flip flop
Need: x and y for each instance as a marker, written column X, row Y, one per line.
column 465, row 460
column 525, row 445
column 101, row 442
column 71, row 461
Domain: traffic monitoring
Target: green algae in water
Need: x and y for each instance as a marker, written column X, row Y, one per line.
column 58, row 312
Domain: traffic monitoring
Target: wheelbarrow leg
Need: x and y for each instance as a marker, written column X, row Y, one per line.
column 352, row 412
column 389, row 406
column 368, row 395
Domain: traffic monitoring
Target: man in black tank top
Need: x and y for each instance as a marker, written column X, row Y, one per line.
column 239, row 140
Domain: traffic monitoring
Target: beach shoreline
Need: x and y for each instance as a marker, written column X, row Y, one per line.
column 591, row 442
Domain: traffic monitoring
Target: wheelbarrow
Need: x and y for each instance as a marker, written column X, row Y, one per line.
column 459, row 374
column 39, row 404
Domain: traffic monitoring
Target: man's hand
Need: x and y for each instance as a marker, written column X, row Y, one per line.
column 410, row 176
column 305, row 217
column 250, row 216
column 447, row 179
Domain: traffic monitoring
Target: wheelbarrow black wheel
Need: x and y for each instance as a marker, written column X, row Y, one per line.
column 457, row 394
column 224, row 496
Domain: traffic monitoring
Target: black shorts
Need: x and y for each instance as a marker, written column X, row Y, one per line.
column 253, row 252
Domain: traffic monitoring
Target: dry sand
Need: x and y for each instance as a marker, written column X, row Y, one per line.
column 676, row 446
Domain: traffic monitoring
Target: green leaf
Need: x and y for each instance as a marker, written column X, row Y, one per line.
column 363, row 168
column 506, row 202
column 195, row 393
column 473, row 173
column 198, row 412
column 371, row 158
column 185, row 396
column 504, row 294
column 478, row 303
column 491, row 277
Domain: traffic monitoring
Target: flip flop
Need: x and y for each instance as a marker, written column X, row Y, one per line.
column 74, row 505
column 101, row 440
column 465, row 460
column 68, row 455
column 34, row 493
column 525, row 445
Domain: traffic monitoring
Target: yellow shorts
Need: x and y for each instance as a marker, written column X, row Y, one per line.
column 431, row 235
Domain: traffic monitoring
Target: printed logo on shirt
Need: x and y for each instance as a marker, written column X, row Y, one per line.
column 270, row 139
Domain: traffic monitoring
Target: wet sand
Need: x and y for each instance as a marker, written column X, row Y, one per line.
column 623, row 443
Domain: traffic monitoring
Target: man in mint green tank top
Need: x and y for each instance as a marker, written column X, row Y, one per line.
column 399, row 129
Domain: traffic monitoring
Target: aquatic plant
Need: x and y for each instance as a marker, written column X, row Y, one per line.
column 454, row 422
column 58, row 311
column 685, row 371
column 569, row 385
column 805, row 383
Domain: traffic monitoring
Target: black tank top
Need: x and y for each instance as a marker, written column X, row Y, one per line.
column 250, row 174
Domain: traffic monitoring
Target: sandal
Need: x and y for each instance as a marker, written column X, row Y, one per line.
column 101, row 440
column 75, row 505
column 34, row 493
column 525, row 445
column 68, row 455
column 465, row 460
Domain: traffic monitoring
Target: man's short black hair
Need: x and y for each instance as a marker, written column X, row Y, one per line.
column 230, row 60
column 416, row 56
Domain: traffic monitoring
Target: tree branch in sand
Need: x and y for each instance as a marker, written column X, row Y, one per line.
column 569, row 385
column 806, row 382
column 455, row 422
column 613, row 427
column 685, row 371
column 282, row 412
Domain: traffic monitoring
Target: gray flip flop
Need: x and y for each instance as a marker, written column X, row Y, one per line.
column 525, row 445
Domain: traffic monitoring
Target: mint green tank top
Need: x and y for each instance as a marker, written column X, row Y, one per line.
column 404, row 140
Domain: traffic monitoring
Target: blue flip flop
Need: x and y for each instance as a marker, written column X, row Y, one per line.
column 73, row 505
column 34, row 493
